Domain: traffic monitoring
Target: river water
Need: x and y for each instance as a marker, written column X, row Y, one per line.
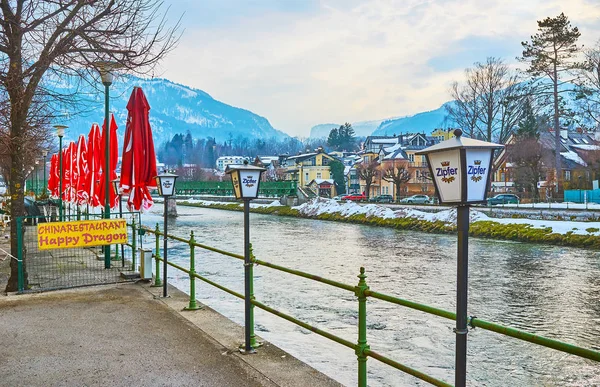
column 547, row 290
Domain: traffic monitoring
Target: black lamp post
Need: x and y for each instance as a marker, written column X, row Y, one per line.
column 60, row 132
column 461, row 170
column 246, row 179
column 118, row 193
column 165, row 182
column 45, row 188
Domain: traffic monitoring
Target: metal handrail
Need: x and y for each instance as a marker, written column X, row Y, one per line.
column 362, row 291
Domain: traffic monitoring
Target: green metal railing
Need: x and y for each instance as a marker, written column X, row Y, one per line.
column 225, row 188
column 362, row 292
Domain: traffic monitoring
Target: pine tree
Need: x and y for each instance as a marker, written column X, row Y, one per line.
column 528, row 127
column 333, row 140
column 550, row 55
column 337, row 172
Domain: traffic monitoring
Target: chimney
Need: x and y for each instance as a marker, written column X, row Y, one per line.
column 564, row 133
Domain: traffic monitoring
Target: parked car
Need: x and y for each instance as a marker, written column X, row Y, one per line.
column 339, row 197
column 503, row 199
column 382, row 199
column 417, row 199
column 355, row 197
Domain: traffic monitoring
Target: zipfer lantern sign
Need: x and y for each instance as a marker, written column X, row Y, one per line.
column 245, row 179
column 461, row 168
column 165, row 183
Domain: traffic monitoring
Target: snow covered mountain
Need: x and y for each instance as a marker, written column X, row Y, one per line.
column 425, row 122
column 420, row 122
column 174, row 108
column 361, row 128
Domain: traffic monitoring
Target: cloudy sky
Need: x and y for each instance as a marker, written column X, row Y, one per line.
column 301, row 63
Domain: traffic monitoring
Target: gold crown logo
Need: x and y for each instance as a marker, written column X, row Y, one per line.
column 445, row 163
column 477, row 162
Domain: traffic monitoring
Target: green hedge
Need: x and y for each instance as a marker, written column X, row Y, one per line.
column 481, row 229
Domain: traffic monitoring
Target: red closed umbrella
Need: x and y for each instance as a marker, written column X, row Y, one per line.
column 138, row 169
column 53, row 176
column 92, row 179
column 82, row 171
column 67, row 171
column 113, row 157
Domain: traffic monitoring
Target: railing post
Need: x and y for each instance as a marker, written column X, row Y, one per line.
column 20, row 279
column 157, row 281
column 133, row 246
column 253, row 343
column 193, row 305
column 360, row 292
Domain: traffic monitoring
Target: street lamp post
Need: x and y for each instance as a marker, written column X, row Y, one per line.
column 44, row 154
column 461, row 170
column 246, row 179
column 165, row 182
column 119, row 194
column 60, row 132
column 35, row 184
column 105, row 69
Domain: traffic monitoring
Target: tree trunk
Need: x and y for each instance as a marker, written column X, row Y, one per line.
column 17, row 209
column 558, row 167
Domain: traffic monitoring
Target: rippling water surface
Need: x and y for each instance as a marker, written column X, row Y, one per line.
column 547, row 290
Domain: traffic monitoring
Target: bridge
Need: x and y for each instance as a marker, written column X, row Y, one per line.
column 224, row 188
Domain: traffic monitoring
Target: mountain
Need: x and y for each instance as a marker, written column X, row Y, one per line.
column 322, row 130
column 424, row 122
column 174, row 108
column 361, row 128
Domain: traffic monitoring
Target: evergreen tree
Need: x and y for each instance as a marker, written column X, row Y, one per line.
column 337, row 172
column 550, row 55
column 333, row 141
column 528, row 127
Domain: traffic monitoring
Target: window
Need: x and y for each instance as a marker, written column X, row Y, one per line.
column 411, row 157
column 306, row 178
column 568, row 175
column 319, row 175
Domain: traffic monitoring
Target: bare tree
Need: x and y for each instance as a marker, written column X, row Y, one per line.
column 368, row 172
column 588, row 85
column 531, row 160
column 397, row 173
column 46, row 40
column 489, row 104
column 464, row 110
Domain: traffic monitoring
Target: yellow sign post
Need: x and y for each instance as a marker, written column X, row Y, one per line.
column 85, row 233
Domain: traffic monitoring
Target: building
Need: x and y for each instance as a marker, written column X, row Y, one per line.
column 441, row 134
column 224, row 161
column 308, row 167
column 578, row 151
column 398, row 152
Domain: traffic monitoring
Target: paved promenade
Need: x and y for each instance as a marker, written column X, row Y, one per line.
column 121, row 335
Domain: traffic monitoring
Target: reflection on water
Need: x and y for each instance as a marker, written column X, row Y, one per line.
column 547, row 290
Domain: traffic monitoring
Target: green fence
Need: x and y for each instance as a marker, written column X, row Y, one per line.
column 362, row 292
column 224, row 188
column 42, row 270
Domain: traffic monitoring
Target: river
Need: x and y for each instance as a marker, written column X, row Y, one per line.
column 548, row 290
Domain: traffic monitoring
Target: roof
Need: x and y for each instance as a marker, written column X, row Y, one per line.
column 321, row 181
column 459, row 142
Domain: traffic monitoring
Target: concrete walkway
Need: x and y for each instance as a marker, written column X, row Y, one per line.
column 121, row 335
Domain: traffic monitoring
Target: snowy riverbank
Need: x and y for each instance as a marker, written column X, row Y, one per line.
column 555, row 232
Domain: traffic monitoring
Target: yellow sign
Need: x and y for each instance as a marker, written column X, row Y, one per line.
column 61, row 235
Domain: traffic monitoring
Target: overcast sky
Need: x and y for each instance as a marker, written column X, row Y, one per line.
column 301, row 63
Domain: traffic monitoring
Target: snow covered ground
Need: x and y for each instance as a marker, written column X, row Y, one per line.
column 320, row 206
